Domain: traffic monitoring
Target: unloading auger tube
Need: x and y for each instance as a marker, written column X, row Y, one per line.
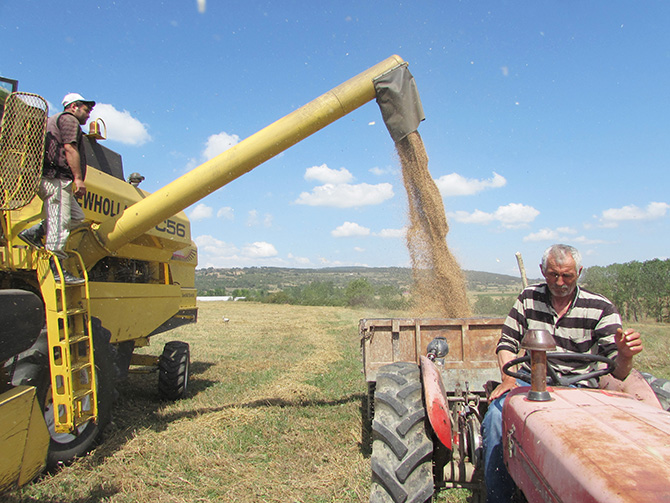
column 210, row 176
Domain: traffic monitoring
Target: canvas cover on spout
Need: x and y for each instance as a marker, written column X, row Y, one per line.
column 399, row 102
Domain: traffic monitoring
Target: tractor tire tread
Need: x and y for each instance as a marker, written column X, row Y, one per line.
column 402, row 450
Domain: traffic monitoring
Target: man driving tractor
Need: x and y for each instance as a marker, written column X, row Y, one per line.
column 580, row 321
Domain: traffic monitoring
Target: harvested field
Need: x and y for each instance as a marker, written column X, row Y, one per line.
column 274, row 414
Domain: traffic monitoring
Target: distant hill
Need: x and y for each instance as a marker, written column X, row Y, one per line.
column 278, row 278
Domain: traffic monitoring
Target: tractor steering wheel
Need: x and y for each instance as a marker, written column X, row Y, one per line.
column 553, row 378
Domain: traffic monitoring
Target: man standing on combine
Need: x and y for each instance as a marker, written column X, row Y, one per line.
column 580, row 321
column 62, row 180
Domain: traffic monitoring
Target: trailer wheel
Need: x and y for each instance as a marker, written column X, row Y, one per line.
column 64, row 447
column 402, row 451
column 174, row 366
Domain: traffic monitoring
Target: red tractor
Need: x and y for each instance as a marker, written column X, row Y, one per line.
column 427, row 382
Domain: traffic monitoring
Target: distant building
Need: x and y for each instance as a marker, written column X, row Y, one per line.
column 220, row 298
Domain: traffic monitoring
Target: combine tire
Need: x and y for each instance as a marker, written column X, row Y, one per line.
column 402, row 451
column 64, row 447
column 173, row 370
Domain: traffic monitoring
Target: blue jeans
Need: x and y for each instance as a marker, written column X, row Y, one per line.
column 499, row 484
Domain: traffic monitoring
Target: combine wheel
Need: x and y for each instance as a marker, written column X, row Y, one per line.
column 173, row 370
column 402, row 451
column 64, row 447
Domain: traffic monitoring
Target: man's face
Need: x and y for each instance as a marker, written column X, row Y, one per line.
column 561, row 278
column 82, row 113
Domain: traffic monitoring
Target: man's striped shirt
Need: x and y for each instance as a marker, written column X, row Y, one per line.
column 588, row 326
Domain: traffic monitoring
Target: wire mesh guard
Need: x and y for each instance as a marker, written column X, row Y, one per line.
column 21, row 149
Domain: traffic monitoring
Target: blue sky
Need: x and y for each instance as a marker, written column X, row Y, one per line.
column 545, row 121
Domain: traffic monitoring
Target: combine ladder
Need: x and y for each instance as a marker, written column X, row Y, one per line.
column 70, row 336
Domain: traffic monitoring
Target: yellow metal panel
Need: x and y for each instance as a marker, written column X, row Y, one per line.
column 37, row 445
column 130, row 311
column 21, row 429
column 188, row 298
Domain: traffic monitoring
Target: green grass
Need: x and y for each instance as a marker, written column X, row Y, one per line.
column 655, row 357
column 274, row 415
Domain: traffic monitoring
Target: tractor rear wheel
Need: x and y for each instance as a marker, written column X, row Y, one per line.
column 174, row 367
column 661, row 388
column 402, row 451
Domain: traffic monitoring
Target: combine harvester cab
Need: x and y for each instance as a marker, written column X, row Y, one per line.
column 135, row 253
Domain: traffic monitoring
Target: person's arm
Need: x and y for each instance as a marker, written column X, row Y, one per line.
column 628, row 343
column 74, row 161
column 508, row 382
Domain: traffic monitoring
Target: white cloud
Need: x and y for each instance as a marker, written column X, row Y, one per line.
column 392, row 233
column 326, row 262
column 544, row 235
column 201, row 212
column 457, row 185
column 586, row 241
column 259, row 249
column 381, row 171
column 612, row 217
column 121, row 126
column 337, row 192
column 560, row 235
column 346, row 195
column 209, row 245
column 511, row 215
column 324, row 174
column 218, row 143
column 215, row 145
column 348, row 229
column 226, row 212
column 213, row 252
column 299, row 260
column 254, row 219
column 515, row 214
column 359, row 249
column 476, row 217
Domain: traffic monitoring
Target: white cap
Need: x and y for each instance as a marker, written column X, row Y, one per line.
column 72, row 97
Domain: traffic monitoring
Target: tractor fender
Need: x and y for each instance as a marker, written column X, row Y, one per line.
column 437, row 405
column 635, row 384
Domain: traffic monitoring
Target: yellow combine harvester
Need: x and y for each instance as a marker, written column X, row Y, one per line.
column 63, row 346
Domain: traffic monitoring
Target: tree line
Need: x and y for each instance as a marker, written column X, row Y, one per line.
column 638, row 289
column 357, row 293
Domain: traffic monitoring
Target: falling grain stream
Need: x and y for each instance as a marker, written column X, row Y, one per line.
column 439, row 283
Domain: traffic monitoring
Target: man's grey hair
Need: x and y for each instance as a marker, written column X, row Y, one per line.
column 560, row 253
